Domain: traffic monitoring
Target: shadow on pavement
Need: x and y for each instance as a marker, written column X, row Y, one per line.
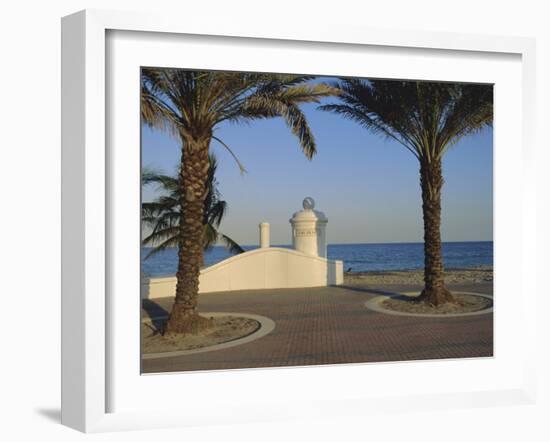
column 156, row 313
column 367, row 290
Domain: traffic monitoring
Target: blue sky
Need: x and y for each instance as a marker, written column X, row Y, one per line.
column 367, row 186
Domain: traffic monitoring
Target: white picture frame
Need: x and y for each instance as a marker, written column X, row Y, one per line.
column 87, row 356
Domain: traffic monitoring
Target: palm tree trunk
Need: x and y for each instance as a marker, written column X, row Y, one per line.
column 184, row 317
column 431, row 182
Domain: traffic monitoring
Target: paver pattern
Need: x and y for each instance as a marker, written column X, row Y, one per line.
column 331, row 325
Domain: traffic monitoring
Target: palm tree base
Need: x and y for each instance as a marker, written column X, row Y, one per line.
column 183, row 320
column 436, row 296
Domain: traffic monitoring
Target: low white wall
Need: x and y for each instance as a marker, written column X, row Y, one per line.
column 264, row 268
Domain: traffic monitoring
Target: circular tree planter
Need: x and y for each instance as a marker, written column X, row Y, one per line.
column 263, row 326
column 377, row 304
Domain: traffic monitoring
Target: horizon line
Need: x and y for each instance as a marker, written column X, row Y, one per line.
column 349, row 243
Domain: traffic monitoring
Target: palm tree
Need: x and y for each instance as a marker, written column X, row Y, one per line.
column 426, row 118
column 163, row 214
column 191, row 105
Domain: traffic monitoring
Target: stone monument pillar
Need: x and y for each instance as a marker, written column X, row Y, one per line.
column 264, row 235
column 309, row 230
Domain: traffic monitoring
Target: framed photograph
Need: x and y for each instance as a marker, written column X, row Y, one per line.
column 264, row 223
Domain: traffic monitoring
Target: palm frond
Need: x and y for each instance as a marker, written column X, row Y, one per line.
column 163, row 214
column 231, row 245
column 169, row 242
column 242, row 169
column 425, row 117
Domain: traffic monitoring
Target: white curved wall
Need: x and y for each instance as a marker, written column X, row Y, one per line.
column 264, row 268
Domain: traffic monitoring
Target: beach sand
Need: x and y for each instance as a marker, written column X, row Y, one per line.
column 481, row 274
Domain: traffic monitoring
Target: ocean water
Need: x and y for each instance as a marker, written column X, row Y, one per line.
column 356, row 257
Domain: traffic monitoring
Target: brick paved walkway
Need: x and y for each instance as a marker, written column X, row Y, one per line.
column 330, row 325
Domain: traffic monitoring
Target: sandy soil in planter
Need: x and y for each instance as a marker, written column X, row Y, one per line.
column 223, row 329
column 465, row 304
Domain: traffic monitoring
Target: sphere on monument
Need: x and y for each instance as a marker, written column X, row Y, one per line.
column 308, row 203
